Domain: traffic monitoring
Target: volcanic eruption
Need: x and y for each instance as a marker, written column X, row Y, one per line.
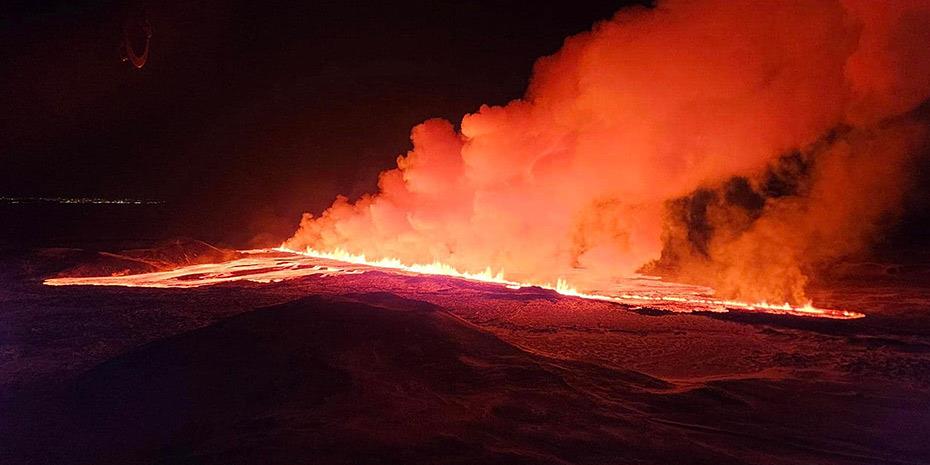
column 739, row 145
column 697, row 238
column 735, row 146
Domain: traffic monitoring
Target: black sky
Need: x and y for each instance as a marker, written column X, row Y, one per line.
column 246, row 113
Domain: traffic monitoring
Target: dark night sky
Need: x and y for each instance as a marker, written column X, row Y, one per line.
column 248, row 114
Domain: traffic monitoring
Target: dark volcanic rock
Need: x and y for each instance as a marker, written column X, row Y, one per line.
column 38, row 264
column 165, row 256
column 381, row 367
column 315, row 381
column 377, row 378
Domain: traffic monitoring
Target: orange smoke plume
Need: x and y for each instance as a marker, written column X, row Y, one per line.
column 786, row 126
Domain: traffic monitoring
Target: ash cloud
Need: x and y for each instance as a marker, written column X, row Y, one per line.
column 736, row 144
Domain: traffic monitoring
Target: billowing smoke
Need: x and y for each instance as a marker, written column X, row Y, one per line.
column 737, row 144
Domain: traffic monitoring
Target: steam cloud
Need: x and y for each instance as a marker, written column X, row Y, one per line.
column 737, row 144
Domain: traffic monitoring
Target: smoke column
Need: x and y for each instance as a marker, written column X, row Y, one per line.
column 736, row 144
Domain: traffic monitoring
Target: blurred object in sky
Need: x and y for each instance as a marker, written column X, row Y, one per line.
column 137, row 34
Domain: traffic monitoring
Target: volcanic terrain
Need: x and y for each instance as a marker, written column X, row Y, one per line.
column 387, row 367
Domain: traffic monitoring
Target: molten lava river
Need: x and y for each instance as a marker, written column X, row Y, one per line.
column 279, row 264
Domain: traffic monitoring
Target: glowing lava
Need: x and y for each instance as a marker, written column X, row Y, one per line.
column 274, row 265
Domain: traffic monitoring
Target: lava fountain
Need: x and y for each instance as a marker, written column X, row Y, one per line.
column 743, row 147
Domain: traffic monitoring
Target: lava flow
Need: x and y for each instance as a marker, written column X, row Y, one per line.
column 274, row 265
column 745, row 146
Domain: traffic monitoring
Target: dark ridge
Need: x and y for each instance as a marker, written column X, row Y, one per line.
column 335, row 381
